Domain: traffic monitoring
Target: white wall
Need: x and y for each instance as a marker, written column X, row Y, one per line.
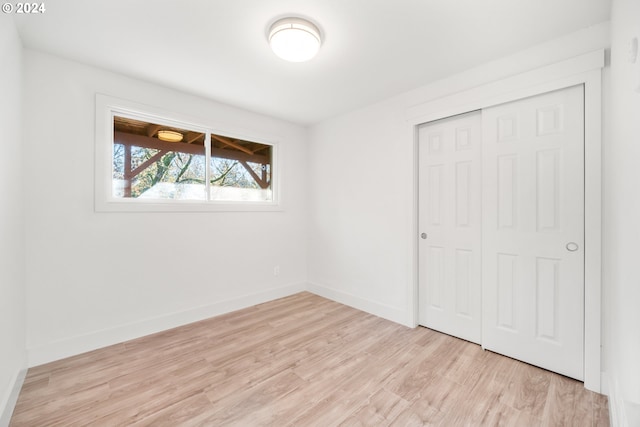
column 361, row 182
column 94, row 279
column 622, row 211
column 12, row 295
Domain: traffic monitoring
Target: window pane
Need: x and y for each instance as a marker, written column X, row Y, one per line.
column 240, row 170
column 151, row 161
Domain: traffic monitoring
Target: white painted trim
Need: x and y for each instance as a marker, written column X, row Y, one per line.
column 12, row 398
column 604, row 384
column 622, row 413
column 616, row 405
column 414, row 297
column 593, row 229
column 585, row 69
column 381, row 310
column 92, row 341
column 632, row 413
column 95, row 340
column 540, row 80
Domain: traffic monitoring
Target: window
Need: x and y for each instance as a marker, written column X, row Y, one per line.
column 151, row 161
column 155, row 163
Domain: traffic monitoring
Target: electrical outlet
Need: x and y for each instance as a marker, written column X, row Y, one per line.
column 276, row 270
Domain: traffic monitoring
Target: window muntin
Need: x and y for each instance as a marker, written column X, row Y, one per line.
column 147, row 166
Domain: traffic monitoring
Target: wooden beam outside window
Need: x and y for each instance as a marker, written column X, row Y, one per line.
column 128, row 139
column 263, row 183
column 229, row 143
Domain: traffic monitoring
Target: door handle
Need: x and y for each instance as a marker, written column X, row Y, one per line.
column 572, row 247
column 423, row 236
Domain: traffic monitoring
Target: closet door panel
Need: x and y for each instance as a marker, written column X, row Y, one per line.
column 533, row 230
column 450, row 220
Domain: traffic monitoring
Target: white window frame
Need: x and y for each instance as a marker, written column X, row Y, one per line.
column 107, row 107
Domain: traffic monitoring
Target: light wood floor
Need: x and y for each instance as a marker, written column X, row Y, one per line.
column 300, row 361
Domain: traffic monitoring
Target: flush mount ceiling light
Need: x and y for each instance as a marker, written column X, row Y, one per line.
column 169, row 136
column 294, row 39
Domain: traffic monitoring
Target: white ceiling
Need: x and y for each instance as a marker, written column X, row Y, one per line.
column 372, row 49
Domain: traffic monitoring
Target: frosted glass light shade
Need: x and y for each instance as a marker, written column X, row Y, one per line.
column 294, row 39
column 169, row 136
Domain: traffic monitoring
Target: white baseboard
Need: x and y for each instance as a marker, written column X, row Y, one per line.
column 10, row 402
column 617, row 412
column 381, row 310
column 622, row 413
column 92, row 341
column 87, row 342
column 632, row 413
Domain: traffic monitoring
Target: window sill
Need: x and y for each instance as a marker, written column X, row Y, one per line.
column 135, row 205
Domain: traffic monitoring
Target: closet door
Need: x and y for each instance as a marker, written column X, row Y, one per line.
column 533, row 230
column 450, row 226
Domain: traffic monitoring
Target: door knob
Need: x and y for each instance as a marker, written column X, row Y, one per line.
column 572, row 247
column 423, row 235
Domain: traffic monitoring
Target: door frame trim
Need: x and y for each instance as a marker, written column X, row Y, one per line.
column 581, row 70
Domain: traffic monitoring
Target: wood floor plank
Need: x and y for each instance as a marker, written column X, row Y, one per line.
column 380, row 409
column 420, row 413
column 300, row 361
column 565, row 393
column 180, row 413
column 235, row 409
column 529, row 389
column 600, row 410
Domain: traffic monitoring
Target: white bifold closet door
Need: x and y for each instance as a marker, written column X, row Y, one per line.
column 501, row 217
column 533, row 230
column 450, row 223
